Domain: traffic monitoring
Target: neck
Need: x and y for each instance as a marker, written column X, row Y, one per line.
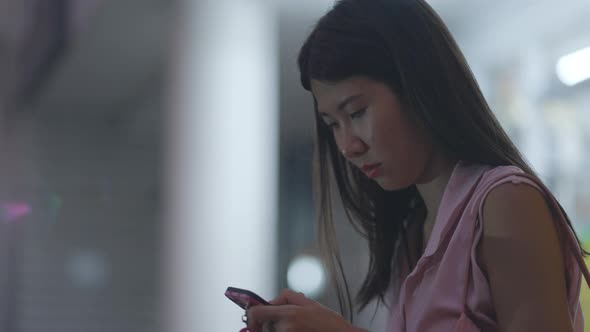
column 431, row 190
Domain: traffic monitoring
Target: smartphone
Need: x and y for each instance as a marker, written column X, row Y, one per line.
column 244, row 298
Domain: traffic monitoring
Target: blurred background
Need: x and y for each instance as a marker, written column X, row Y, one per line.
column 155, row 152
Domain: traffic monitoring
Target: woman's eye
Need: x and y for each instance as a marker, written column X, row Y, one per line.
column 358, row 114
column 332, row 125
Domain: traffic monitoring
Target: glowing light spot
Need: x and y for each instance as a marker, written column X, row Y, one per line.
column 14, row 211
column 306, row 274
column 87, row 269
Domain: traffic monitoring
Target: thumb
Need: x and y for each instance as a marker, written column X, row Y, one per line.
column 288, row 296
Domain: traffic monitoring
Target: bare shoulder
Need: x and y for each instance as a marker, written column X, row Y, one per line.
column 518, row 222
column 521, row 254
column 517, row 210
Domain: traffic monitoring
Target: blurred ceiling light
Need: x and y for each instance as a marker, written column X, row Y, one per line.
column 575, row 67
column 306, row 274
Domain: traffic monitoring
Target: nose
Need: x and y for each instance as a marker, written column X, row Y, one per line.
column 352, row 146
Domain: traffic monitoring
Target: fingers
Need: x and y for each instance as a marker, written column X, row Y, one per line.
column 260, row 327
column 288, row 296
column 261, row 314
column 282, row 298
column 268, row 327
column 284, row 307
column 259, row 320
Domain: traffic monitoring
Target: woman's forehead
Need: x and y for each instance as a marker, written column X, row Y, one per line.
column 331, row 95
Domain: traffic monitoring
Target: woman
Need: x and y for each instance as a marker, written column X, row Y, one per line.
column 462, row 234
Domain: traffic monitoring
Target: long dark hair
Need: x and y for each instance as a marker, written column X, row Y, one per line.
column 406, row 45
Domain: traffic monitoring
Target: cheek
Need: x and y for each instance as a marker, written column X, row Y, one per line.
column 387, row 127
column 370, row 131
column 387, row 136
column 379, row 130
column 421, row 144
column 397, row 139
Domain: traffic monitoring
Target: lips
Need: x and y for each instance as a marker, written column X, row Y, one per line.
column 372, row 170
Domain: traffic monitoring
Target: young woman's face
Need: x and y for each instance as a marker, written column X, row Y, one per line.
column 374, row 132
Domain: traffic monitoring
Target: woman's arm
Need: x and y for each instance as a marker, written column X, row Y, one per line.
column 521, row 254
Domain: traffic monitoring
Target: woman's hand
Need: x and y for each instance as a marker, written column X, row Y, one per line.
column 292, row 312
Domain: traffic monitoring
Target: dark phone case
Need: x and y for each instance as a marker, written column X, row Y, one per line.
column 244, row 298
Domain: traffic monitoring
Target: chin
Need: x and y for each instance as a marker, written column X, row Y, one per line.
column 390, row 185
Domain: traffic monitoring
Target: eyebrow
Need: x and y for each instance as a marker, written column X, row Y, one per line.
column 344, row 103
